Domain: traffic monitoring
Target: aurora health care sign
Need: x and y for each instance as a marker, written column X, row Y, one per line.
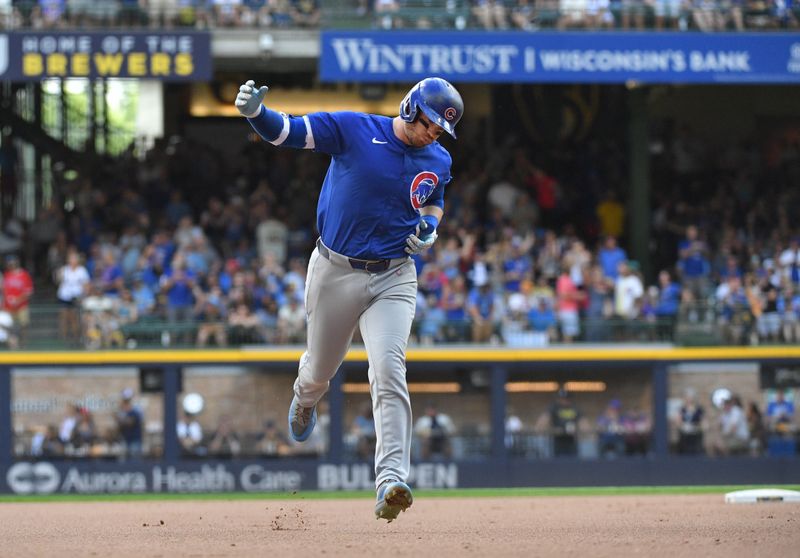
column 566, row 57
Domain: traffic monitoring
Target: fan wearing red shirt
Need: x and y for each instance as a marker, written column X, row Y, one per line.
column 17, row 291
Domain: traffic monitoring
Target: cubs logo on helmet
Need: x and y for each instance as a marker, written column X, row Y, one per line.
column 422, row 187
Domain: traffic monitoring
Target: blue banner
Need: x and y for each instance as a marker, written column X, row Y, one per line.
column 166, row 56
column 561, row 57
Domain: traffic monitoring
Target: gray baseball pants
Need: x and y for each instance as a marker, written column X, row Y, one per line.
column 338, row 299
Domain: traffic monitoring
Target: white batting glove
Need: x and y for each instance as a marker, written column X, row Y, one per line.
column 421, row 241
column 248, row 101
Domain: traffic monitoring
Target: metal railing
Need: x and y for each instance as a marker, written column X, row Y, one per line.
column 58, row 327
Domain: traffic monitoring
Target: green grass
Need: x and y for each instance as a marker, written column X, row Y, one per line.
column 456, row 493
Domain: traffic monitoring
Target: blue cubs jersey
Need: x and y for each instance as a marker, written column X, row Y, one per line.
column 375, row 184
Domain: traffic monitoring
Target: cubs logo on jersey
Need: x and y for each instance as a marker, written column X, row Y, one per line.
column 422, row 187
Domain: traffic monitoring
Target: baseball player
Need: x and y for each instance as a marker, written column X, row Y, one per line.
column 381, row 201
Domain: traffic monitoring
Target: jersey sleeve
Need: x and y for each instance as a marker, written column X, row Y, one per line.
column 328, row 130
column 437, row 197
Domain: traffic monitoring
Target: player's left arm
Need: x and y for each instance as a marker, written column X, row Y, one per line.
column 430, row 216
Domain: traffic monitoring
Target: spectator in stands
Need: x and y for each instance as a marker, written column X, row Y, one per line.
column 291, row 319
column 363, row 431
column 578, row 259
column 305, row 13
column 789, row 260
column 780, row 413
column 757, row 428
column 101, row 323
column 690, row 422
column 244, row 325
column 17, row 291
column 8, row 333
column 126, row 314
column 735, row 315
column 636, row 426
column 599, row 15
column 548, row 258
column 542, row 319
column 454, row 300
column 73, row 280
column 434, row 430
column 178, row 283
column 130, row 424
column 79, row 13
column 666, row 309
column 610, row 431
column 46, row 443
column 143, row 296
column 769, row 321
column 572, row 13
column 83, row 435
column 190, row 435
column 513, row 433
column 432, row 320
column 563, row 421
column 791, row 313
column 209, row 312
column 68, row 422
column 693, row 263
column 569, row 300
column 491, row 14
column 600, row 305
column 628, row 293
column 131, row 13
column 481, row 306
column 609, row 257
column 225, row 442
column 733, row 434
column 272, row 442
column 523, row 15
column 517, row 264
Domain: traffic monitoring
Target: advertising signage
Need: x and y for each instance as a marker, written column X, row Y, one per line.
column 561, row 57
column 166, row 56
column 100, row 477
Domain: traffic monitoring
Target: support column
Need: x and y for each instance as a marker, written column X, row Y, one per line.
column 171, row 381
column 498, row 410
column 660, row 423
column 639, row 177
column 6, row 428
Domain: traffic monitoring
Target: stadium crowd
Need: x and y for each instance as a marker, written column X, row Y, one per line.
column 526, row 15
column 151, row 250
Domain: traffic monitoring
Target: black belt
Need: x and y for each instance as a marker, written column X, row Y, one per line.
column 373, row 266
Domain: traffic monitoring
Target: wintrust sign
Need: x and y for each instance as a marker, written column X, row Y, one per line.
column 364, row 55
column 559, row 57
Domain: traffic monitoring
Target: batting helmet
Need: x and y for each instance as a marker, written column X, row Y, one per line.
column 438, row 100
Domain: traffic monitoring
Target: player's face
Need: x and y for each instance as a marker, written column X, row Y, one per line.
column 423, row 132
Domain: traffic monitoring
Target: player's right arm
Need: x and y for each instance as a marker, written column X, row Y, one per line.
column 275, row 127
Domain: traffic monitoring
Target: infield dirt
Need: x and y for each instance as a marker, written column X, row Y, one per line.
column 674, row 526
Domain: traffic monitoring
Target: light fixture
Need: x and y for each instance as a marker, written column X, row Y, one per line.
column 585, row 386
column 413, row 387
column 520, row 387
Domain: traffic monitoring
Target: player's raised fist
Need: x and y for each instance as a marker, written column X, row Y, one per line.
column 249, row 99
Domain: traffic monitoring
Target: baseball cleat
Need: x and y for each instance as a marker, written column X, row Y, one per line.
column 301, row 420
column 393, row 497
